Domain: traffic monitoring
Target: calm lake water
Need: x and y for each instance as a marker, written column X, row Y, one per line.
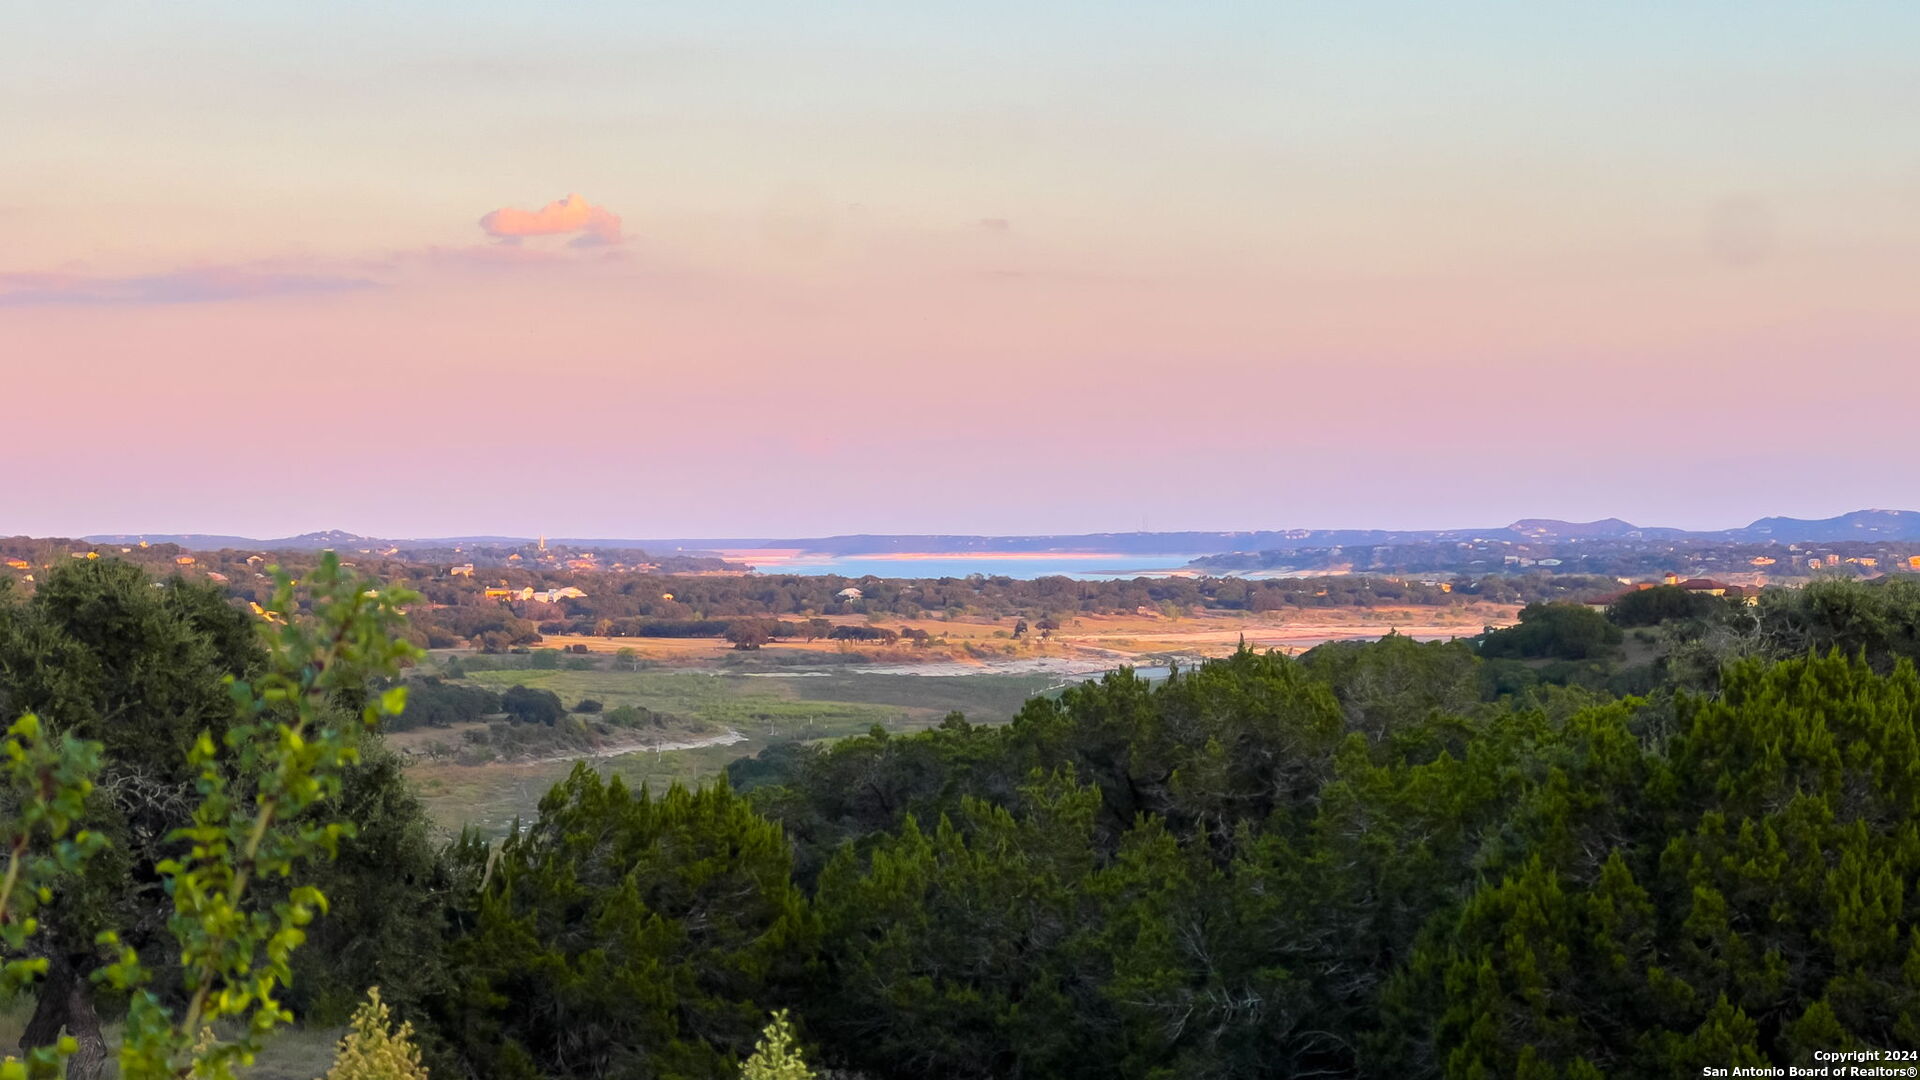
column 1085, row 567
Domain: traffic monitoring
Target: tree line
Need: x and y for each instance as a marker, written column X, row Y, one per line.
column 457, row 611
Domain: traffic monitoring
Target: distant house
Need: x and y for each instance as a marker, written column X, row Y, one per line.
column 499, row 594
column 19, row 564
column 1705, row 585
column 1761, row 560
column 849, row 593
column 1913, row 562
column 215, row 575
column 184, row 560
column 463, row 570
column 83, row 554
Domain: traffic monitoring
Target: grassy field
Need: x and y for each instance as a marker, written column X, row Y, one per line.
column 801, row 690
column 763, row 708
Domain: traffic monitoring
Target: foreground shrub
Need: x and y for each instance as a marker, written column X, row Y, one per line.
column 776, row 1057
column 374, row 1050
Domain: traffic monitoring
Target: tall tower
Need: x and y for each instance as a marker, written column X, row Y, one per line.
column 543, row 541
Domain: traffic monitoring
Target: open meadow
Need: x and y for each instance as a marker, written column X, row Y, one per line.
column 709, row 718
column 713, row 703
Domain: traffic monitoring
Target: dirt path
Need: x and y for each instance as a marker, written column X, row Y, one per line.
column 412, row 746
column 725, row 738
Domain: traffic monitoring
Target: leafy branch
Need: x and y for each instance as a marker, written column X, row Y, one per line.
column 293, row 738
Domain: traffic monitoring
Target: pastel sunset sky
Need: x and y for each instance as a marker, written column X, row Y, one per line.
column 794, row 268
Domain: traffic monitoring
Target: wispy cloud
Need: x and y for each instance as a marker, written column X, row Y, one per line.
column 188, row 285
column 594, row 225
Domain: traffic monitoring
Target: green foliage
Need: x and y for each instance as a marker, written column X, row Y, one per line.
column 953, row 948
column 631, row 716
column 1880, row 620
column 285, row 752
column 1662, row 603
column 384, row 922
column 1739, row 899
column 625, row 935
column 532, row 706
column 101, row 637
column 776, row 1056
column 102, row 654
column 750, row 633
column 1553, row 631
column 432, row 702
column 1392, row 683
column 52, row 778
column 1248, row 871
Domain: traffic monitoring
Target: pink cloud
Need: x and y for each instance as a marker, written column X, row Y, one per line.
column 573, row 214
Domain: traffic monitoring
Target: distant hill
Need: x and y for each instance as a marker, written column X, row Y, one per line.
column 1604, row 529
column 313, row 541
column 1858, row 525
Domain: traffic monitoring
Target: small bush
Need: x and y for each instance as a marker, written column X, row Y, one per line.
column 776, row 1057
column 373, row 1050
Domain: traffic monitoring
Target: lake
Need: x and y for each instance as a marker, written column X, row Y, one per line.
column 1082, row 565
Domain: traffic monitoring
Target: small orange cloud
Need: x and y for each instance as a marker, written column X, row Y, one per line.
column 573, row 214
